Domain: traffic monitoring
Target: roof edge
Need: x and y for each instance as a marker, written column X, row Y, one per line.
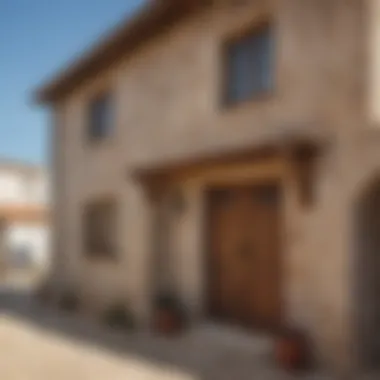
column 148, row 22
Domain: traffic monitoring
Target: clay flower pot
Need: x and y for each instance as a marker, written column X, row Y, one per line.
column 168, row 317
column 167, row 322
column 291, row 351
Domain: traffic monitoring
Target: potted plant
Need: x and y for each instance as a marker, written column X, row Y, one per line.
column 118, row 316
column 169, row 318
column 291, row 350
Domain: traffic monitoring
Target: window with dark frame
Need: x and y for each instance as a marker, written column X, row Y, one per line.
column 249, row 65
column 99, row 228
column 100, row 117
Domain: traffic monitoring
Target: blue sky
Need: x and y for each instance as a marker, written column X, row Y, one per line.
column 37, row 38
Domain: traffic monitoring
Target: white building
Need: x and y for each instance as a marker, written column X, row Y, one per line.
column 24, row 214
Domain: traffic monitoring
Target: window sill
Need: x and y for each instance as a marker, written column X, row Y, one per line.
column 257, row 99
column 98, row 143
column 100, row 257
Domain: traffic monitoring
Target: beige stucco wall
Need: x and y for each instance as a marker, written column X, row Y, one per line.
column 168, row 107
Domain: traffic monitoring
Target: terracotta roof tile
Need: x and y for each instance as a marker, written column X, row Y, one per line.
column 25, row 214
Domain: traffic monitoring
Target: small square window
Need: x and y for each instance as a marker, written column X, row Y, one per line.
column 99, row 229
column 249, row 65
column 100, row 118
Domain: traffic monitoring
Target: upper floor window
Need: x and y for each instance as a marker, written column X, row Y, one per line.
column 100, row 118
column 249, row 65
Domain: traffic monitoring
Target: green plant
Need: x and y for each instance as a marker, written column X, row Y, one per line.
column 119, row 317
column 169, row 301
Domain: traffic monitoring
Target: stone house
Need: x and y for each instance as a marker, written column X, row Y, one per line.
column 228, row 150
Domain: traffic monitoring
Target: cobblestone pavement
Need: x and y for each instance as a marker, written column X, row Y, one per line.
column 41, row 344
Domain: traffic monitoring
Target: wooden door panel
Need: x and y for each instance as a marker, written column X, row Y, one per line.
column 227, row 280
column 267, row 290
column 244, row 254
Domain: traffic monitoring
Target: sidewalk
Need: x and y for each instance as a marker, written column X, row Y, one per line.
column 43, row 344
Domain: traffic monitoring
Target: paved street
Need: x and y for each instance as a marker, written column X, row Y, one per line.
column 43, row 344
column 30, row 353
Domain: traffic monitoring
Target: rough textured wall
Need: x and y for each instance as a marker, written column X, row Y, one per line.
column 168, row 107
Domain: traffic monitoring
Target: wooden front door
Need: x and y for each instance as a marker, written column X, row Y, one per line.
column 244, row 260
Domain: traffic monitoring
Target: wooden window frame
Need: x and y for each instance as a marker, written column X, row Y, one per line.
column 87, row 246
column 92, row 136
column 230, row 40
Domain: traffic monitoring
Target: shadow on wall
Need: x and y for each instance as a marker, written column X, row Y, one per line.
column 367, row 276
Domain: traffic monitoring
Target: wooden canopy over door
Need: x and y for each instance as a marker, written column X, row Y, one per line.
column 244, row 259
column 243, row 233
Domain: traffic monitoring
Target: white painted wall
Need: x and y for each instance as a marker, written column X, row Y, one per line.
column 17, row 187
column 24, row 187
column 35, row 238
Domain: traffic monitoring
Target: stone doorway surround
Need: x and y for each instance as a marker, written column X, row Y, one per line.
column 176, row 190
